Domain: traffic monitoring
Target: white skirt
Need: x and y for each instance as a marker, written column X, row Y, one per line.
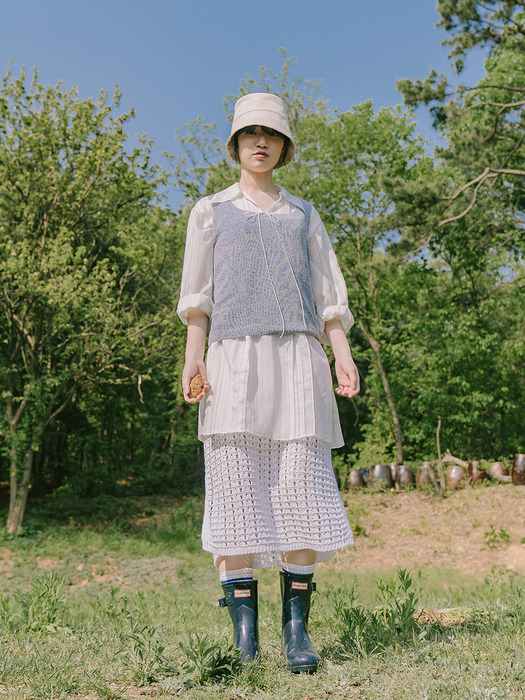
column 264, row 497
column 278, row 388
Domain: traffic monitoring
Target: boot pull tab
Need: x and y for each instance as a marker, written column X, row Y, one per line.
column 223, row 603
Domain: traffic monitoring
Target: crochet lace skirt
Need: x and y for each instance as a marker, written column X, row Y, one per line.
column 264, row 497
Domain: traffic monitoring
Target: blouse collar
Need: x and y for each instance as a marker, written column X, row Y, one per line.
column 234, row 191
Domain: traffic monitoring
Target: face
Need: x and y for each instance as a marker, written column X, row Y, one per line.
column 259, row 149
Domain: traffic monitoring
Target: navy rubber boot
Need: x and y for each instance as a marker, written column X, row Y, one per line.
column 240, row 597
column 296, row 592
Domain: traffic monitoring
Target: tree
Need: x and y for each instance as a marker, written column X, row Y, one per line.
column 81, row 250
column 484, row 124
column 474, row 209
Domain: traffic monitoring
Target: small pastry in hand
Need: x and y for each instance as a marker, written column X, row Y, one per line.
column 196, row 385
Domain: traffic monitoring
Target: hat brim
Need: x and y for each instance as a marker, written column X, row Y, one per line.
column 261, row 110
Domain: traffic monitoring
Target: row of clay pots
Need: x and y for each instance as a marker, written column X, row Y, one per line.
column 382, row 476
column 401, row 475
column 456, row 474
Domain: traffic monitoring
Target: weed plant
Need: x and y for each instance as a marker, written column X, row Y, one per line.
column 495, row 538
column 206, row 660
column 143, row 654
column 38, row 609
column 364, row 631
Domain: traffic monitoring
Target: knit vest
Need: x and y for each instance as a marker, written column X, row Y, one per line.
column 261, row 274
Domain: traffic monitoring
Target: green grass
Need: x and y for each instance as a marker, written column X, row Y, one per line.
column 128, row 609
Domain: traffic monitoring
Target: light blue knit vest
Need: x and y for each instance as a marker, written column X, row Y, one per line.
column 261, row 274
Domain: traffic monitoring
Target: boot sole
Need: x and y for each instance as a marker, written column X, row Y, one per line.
column 304, row 669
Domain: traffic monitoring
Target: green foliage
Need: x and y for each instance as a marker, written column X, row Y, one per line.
column 517, row 608
column 453, row 357
column 472, row 23
column 483, row 124
column 82, row 251
column 182, row 524
column 496, row 538
column 39, row 609
column 355, row 513
column 206, row 660
column 143, row 654
column 392, row 622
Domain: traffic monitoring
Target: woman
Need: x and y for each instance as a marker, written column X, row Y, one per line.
column 260, row 272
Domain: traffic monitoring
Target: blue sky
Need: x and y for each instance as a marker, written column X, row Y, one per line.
column 176, row 60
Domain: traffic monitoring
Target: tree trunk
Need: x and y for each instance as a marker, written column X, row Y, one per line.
column 374, row 344
column 441, row 472
column 157, row 448
column 18, row 493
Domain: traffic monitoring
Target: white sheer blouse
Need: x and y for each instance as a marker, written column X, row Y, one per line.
column 280, row 388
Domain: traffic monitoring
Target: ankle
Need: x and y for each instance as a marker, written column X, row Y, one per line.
column 236, row 575
column 298, row 570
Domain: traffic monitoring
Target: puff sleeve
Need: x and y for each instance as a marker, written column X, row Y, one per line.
column 197, row 272
column 328, row 284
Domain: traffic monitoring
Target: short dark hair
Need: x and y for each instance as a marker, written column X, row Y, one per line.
column 270, row 132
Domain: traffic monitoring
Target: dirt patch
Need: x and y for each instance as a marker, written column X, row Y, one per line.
column 47, row 562
column 6, row 559
column 129, row 575
column 473, row 529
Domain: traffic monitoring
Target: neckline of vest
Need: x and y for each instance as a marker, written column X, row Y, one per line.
column 246, row 212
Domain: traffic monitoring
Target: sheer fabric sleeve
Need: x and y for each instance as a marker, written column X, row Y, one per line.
column 197, row 272
column 328, row 284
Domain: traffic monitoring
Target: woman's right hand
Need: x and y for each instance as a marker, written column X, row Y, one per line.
column 191, row 369
column 194, row 364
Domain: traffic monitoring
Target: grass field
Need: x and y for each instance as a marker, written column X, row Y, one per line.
column 124, row 605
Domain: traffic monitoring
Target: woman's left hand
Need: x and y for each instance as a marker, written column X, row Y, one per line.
column 347, row 377
column 345, row 369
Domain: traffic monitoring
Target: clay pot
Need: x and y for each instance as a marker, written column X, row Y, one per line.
column 393, row 469
column 497, row 469
column 475, row 474
column 518, row 470
column 381, row 476
column 404, row 476
column 425, row 475
column 355, row 480
column 455, row 476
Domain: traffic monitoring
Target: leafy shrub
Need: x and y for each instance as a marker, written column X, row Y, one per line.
column 392, row 621
column 208, row 661
column 144, row 655
column 494, row 538
column 39, row 609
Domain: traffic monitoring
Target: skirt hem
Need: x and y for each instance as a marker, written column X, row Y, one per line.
column 272, row 558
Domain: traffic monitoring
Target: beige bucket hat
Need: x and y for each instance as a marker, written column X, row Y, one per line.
column 261, row 109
